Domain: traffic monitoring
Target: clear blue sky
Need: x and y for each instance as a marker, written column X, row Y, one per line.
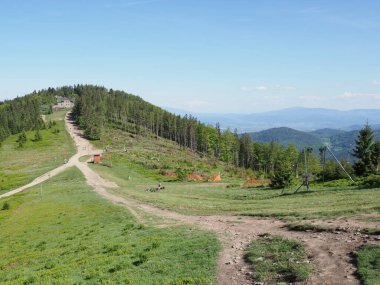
column 237, row 56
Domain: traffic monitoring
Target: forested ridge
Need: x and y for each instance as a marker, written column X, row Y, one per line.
column 97, row 108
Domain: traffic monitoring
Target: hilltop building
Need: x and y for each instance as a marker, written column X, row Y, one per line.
column 63, row 103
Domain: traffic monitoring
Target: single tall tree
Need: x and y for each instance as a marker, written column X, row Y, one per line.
column 376, row 156
column 363, row 152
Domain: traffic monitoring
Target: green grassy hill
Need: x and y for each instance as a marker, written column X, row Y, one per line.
column 67, row 234
column 20, row 165
column 140, row 168
column 161, row 159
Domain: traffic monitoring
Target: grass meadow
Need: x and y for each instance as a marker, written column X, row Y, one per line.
column 141, row 167
column 368, row 263
column 66, row 234
column 20, row 165
column 200, row 198
column 275, row 258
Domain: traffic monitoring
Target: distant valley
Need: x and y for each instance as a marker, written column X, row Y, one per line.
column 304, row 119
column 300, row 126
column 341, row 142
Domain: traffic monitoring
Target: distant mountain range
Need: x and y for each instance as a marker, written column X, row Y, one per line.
column 341, row 142
column 304, row 119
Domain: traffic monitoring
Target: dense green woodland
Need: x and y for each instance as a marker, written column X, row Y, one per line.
column 24, row 113
column 18, row 115
column 97, row 108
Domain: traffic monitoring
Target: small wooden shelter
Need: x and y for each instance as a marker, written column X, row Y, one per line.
column 96, row 158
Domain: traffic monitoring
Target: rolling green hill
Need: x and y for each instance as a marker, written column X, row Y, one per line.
column 341, row 142
column 287, row 136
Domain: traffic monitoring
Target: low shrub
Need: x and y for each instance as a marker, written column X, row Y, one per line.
column 372, row 181
column 339, row 183
column 233, row 185
column 6, row 206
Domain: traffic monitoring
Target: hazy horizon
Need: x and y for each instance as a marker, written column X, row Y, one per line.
column 172, row 109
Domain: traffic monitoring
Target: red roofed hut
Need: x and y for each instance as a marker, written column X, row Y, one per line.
column 96, row 159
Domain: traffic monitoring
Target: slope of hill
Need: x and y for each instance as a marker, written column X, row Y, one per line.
column 341, row 142
column 20, row 165
column 286, row 136
column 327, row 133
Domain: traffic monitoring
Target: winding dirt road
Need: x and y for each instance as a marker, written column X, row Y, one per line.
column 330, row 253
column 83, row 148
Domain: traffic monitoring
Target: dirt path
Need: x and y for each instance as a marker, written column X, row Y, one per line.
column 330, row 253
column 83, row 148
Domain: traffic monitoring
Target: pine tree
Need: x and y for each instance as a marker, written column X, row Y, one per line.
column 376, row 155
column 37, row 136
column 21, row 139
column 283, row 175
column 363, row 152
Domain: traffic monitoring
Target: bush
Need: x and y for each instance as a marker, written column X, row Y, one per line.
column 6, row 206
column 37, row 136
column 339, row 183
column 372, row 181
column 233, row 185
column 21, row 139
column 182, row 173
column 281, row 179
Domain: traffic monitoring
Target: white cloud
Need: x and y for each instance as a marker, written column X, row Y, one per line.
column 353, row 95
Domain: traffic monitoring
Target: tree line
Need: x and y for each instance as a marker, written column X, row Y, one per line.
column 97, row 107
column 24, row 113
column 20, row 114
